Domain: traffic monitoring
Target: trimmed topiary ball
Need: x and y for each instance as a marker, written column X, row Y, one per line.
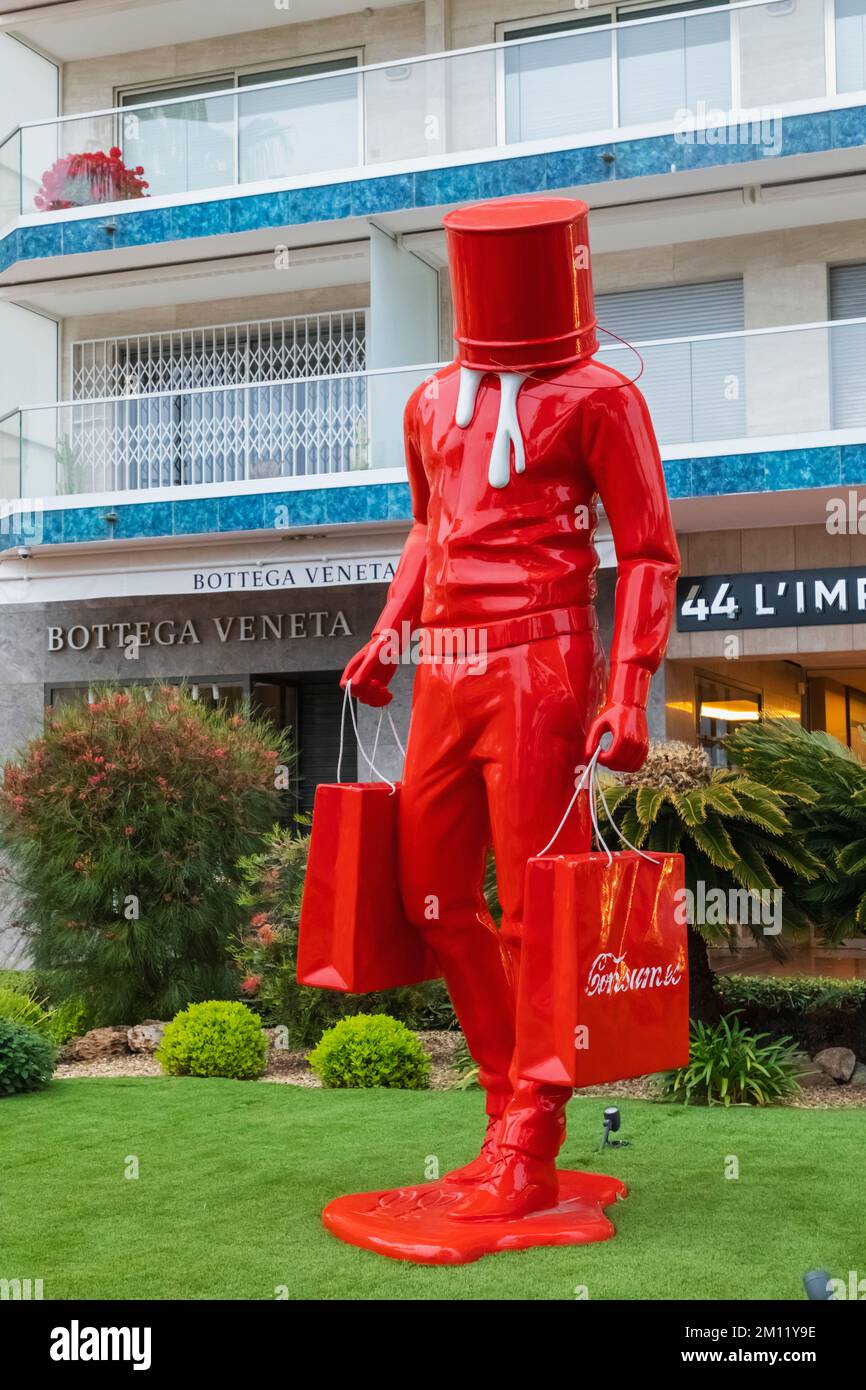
column 216, row 1038
column 370, row 1050
column 26, row 1059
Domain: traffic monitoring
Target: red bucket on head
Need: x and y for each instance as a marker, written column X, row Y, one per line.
column 521, row 283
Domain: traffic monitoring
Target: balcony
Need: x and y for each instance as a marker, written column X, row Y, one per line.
column 710, row 76
column 760, row 410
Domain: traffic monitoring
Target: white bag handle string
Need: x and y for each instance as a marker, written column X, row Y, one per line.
column 368, row 758
column 590, row 776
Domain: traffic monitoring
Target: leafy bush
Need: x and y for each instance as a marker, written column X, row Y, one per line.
column 816, row 1011
column 216, row 1038
column 802, row 992
column 370, row 1050
column 22, row 981
column 265, row 954
column 729, row 1065
column 26, row 1059
column 733, row 831
column 826, row 785
column 69, row 1020
column 124, row 824
column 23, row 1009
column 466, row 1067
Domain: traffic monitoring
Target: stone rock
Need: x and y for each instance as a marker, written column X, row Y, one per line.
column 807, row 1074
column 145, row 1036
column 858, row 1076
column 99, row 1042
column 838, row 1062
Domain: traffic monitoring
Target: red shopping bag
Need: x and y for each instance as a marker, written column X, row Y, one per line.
column 354, row 935
column 604, row 987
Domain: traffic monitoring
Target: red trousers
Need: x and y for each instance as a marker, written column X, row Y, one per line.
column 491, row 759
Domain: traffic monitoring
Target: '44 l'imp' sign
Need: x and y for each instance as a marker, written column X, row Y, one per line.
column 782, row 598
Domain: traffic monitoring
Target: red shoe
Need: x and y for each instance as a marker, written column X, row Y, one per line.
column 516, row 1185
column 480, row 1167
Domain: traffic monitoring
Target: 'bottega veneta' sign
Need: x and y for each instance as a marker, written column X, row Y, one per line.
column 183, row 632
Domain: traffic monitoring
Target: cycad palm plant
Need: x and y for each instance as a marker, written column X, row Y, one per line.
column 825, row 784
column 734, row 832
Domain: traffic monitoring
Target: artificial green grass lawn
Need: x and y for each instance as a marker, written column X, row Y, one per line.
column 233, row 1176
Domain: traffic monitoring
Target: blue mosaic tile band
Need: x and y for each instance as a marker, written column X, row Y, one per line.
column 722, row 475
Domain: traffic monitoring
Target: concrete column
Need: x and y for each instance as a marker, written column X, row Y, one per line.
column 403, row 330
column 437, row 25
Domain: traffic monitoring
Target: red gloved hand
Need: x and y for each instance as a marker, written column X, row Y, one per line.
column 370, row 674
column 630, row 737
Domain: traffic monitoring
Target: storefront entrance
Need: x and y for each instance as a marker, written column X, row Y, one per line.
column 310, row 707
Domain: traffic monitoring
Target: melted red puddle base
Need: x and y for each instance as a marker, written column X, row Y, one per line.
column 413, row 1223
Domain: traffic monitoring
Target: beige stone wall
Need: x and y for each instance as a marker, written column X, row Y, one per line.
column 377, row 35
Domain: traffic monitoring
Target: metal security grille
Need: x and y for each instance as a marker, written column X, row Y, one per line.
column 221, row 354
column 205, row 405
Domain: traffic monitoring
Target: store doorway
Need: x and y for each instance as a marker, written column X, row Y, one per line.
column 309, row 707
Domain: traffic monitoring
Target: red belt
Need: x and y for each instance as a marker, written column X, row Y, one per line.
column 528, row 627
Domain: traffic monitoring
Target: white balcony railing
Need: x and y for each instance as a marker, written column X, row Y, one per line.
column 673, row 72
column 799, row 386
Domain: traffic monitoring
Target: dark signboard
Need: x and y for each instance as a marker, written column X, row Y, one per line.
column 779, row 598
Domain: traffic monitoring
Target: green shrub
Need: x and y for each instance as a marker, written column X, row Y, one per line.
column 729, row 1065
column 123, row 824
column 22, row 981
column 69, row 1020
column 824, row 782
column 216, row 1038
column 816, row 1011
column 370, row 1050
column 466, row 1067
column 27, row 1059
column 23, row 1009
column 733, row 832
column 265, row 954
column 782, row 992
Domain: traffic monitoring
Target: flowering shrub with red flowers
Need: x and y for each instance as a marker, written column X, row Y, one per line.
column 124, row 824
column 265, row 954
column 80, row 180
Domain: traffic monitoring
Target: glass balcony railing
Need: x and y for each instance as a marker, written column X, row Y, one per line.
column 712, row 392
column 679, row 72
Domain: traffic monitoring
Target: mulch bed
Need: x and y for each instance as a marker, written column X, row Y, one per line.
column 291, row 1069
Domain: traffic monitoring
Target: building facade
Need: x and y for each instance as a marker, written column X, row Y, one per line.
column 222, row 271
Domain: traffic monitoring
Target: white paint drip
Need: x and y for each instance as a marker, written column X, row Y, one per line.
column 507, row 426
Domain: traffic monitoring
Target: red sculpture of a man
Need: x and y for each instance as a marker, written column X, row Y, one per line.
column 508, row 449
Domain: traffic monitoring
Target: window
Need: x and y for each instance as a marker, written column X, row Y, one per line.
column 679, row 64
column 206, row 141
column 183, row 433
column 575, row 82
column 848, row 346
column 559, row 87
column 720, row 708
column 839, row 709
column 695, row 391
column 850, row 45
column 183, row 146
column 310, row 709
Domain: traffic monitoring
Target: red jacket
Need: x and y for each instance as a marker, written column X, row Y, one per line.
column 478, row 553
